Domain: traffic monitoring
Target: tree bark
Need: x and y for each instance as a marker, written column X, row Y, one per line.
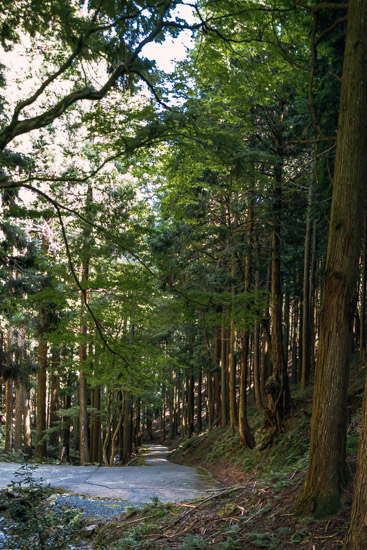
column 357, row 535
column 9, row 416
column 223, row 379
column 233, row 420
column 362, row 313
column 19, row 409
column 41, row 445
column 305, row 374
column 326, row 471
column 277, row 385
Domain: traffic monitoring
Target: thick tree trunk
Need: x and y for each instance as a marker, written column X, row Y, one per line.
column 362, row 312
column 326, row 471
column 357, row 535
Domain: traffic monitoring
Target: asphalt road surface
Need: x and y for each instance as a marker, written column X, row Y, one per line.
column 137, row 485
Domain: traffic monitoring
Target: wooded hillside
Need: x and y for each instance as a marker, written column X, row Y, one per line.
column 175, row 244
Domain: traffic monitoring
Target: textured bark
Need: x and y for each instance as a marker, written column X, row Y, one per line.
column 286, row 309
column 19, row 409
column 313, row 299
column 327, row 469
column 223, row 378
column 199, row 408
column 83, row 396
column 138, row 424
column 117, row 426
column 305, row 374
column 265, row 342
column 107, row 434
column 41, row 445
column 217, row 376
column 233, row 420
column 83, row 414
column 277, row 385
column 19, row 398
column 9, row 400
column 65, row 453
column 95, row 432
column 246, row 437
column 27, row 425
column 126, row 441
column 41, row 396
column 295, row 341
column 362, row 312
column 54, row 401
column 357, row 535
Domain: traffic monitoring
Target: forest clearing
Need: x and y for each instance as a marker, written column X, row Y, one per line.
column 183, row 260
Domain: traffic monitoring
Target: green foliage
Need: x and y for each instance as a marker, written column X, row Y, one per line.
column 33, row 519
column 264, row 539
column 135, row 538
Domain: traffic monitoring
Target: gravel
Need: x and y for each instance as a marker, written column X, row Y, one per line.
column 91, row 507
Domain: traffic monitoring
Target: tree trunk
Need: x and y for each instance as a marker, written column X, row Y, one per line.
column 233, row 420
column 41, row 445
column 223, row 380
column 126, row 443
column 9, row 416
column 362, row 313
column 357, row 535
column 116, row 430
column 246, row 437
column 277, row 385
column 305, row 375
column 65, row 453
column 138, row 425
column 19, row 409
column 199, row 407
column 107, row 437
column 295, row 341
column 27, row 425
column 54, row 402
column 95, row 436
column 326, row 471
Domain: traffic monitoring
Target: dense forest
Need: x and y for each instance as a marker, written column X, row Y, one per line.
column 176, row 243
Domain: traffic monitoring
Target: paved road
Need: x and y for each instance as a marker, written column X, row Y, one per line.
column 139, row 484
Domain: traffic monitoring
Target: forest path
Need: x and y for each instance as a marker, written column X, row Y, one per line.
column 137, row 485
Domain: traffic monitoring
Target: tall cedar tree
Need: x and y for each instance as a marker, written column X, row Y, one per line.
column 327, row 467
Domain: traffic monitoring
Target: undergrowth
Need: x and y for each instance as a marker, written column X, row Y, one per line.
column 30, row 517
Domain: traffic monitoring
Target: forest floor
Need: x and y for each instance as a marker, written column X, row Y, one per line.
column 255, row 509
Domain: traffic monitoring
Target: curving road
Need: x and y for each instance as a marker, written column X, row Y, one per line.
column 139, row 484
